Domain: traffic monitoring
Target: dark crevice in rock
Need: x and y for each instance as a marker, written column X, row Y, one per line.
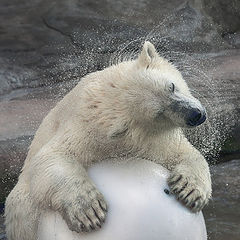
column 18, row 50
column 45, row 22
column 224, row 34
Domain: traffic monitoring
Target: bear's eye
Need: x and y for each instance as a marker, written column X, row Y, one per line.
column 172, row 88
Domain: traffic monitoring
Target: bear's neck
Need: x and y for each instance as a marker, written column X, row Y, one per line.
column 155, row 146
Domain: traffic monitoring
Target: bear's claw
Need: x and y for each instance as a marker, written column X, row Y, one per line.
column 189, row 190
column 85, row 215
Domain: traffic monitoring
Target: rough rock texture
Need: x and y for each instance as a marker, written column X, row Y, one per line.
column 224, row 13
column 222, row 215
column 2, row 231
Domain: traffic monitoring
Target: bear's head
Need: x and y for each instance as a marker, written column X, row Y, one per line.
column 148, row 92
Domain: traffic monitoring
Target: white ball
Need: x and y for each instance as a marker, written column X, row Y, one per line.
column 139, row 209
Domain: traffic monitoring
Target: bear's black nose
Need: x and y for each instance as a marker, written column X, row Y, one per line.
column 196, row 117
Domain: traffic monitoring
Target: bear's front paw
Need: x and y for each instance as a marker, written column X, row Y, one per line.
column 86, row 213
column 190, row 189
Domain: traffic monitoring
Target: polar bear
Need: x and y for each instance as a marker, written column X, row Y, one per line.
column 136, row 108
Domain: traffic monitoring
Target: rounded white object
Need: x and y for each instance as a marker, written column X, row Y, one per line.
column 139, row 208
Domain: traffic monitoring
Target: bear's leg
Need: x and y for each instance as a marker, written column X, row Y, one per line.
column 61, row 183
column 190, row 180
column 21, row 217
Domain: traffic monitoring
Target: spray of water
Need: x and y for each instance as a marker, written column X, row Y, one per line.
column 210, row 136
column 195, row 68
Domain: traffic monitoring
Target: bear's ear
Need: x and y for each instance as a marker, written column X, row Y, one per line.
column 148, row 54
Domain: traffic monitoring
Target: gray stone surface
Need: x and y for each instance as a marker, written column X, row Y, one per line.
column 35, row 34
column 225, row 13
column 222, row 215
column 2, row 228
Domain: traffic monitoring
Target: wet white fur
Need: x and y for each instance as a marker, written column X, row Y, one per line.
column 110, row 113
